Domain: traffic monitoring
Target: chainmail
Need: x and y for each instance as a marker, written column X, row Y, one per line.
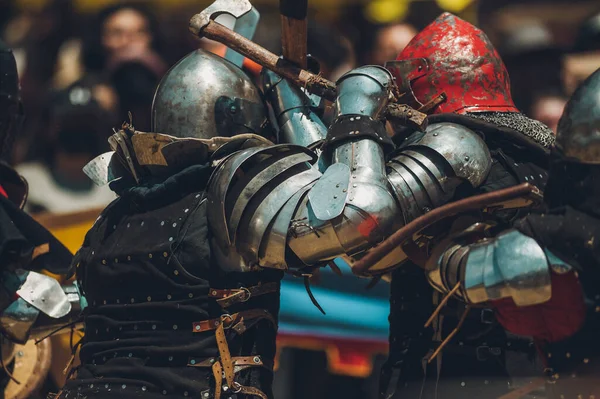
column 533, row 129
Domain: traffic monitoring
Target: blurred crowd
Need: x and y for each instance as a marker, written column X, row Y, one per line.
column 83, row 75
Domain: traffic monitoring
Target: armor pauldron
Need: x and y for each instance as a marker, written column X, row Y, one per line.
column 251, row 192
column 425, row 174
column 511, row 265
column 465, row 152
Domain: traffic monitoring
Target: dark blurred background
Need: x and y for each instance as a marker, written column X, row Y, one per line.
column 85, row 65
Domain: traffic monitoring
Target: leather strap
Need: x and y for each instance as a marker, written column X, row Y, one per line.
column 252, row 391
column 225, row 360
column 229, row 297
column 218, row 374
column 239, row 363
column 239, row 322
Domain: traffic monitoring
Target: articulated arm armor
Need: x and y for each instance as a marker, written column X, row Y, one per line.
column 510, row 265
column 274, row 208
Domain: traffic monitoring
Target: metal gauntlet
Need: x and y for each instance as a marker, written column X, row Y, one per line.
column 511, row 265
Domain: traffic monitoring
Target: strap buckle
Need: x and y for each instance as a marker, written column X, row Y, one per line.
column 247, row 294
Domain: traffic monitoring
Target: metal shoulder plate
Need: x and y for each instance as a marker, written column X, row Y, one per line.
column 463, row 149
column 512, row 265
column 426, row 172
column 251, row 194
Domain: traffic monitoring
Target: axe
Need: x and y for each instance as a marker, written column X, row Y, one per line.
column 203, row 25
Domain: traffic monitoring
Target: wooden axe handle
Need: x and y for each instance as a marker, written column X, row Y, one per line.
column 313, row 83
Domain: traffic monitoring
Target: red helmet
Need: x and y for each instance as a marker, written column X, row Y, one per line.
column 451, row 66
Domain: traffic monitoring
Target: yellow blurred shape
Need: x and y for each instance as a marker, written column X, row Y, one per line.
column 386, row 11
column 454, row 5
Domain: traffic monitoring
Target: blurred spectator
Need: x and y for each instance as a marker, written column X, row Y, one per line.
column 548, row 108
column 389, row 41
column 134, row 76
column 333, row 51
column 77, row 133
column 535, row 68
column 585, row 57
column 119, row 28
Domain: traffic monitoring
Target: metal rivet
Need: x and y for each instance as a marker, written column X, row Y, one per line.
column 586, row 360
column 206, row 394
column 91, row 385
column 162, row 223
column 568, row 355
column 174, row 224
column 174, row 326
column 175, row 272
column 435, row 134
column 256, row 359
column 116, row 260
column 104, row 302
column 462, row 384
column 123, row 386
column 354, row 185
column 105, row 385
column 149, row 298
column 169, row 296
column 165, row 254
column 467, row 158
column 164, row 392
column 114, row 226
column 190, row 295
column 132, row 300
column 170, row 238
column 93, row 252
column 197, row 195
column 186, row 211
column 197, row 328
column 141, row 224
column 150, row 256
column 170, row 358
column 104, row 261
column 335, row 197
column 193, row 361
column 185, row 393
column 128, row 225
column 118, row 301
column 154, row 326
column 128, row 257
column 144, row 388
column 130, row 355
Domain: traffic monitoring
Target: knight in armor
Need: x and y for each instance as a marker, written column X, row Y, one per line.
column 182, row 272
column 32, row 304
column 451, row 71
column 557, row 254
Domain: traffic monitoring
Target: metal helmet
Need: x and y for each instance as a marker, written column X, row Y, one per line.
column 578, row 136
column 11, row 114
column 451, row 66
column 204, row 96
